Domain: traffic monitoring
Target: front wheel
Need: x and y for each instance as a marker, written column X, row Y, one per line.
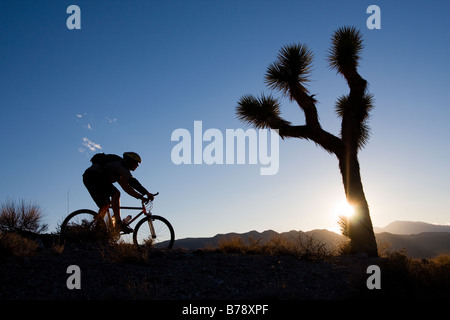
column 163, row 237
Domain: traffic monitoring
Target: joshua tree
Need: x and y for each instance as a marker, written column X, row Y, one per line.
column 290, row 75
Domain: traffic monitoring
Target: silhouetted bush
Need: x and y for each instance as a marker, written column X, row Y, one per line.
column 21, row 216
column 12, row 244
column 304, row 246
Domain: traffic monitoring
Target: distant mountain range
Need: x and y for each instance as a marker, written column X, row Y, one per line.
column 419, row 239
column 412, row 227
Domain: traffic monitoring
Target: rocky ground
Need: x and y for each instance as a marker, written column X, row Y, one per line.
column 109, row 272
column 118, row 271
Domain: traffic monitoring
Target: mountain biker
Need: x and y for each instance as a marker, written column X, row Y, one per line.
column 99, row 179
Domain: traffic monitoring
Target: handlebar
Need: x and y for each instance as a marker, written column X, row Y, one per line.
column 148, row 200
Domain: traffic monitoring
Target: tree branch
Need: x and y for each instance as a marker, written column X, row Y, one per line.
column 326, row 140
column 308, row 104
column 312, row 130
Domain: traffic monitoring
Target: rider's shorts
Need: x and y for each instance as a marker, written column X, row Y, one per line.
column 99, row 187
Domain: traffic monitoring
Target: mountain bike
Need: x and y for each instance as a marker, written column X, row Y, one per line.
column 151, row 231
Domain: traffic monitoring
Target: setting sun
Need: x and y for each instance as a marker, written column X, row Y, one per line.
column 343, row 209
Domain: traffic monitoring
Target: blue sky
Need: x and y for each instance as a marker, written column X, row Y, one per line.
column 138, row 70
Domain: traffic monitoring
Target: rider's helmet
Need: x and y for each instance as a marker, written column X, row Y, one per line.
column 132, row 155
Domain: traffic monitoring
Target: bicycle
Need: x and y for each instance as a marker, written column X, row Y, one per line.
column 151, row 231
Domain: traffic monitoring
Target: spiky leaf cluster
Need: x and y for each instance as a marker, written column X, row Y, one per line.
column 293, row 67
column 346, row 47
column 361, row 115
column 262, row 112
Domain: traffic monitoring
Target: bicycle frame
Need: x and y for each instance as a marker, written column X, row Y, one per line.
column 144, row 211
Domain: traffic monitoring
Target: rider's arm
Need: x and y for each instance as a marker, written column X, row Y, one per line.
column 135, row 184
column 124, row 177
column 124, row 183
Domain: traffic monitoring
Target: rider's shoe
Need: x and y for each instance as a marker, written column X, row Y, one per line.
column 124, row 228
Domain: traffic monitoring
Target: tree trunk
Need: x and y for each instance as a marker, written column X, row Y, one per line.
column 360, row 229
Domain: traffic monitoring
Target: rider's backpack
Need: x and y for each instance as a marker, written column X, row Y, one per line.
column 101, row 158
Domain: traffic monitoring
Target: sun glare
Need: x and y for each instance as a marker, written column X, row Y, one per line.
column 343, row 209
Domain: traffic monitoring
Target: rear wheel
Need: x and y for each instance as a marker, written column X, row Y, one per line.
column 164, row 234
column 82, row 226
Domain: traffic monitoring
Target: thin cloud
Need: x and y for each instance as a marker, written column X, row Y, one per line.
column 91, row 145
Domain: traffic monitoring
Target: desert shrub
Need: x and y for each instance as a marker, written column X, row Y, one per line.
column 233, row 245
column 304, row 246
column 442, row 260
column 280, row 245
column 431, row 277
column 21, row 216
column 124, row 253
column 407, row 277
column 14, row 244
column 310, row 248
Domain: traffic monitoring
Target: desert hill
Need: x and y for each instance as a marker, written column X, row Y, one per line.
column 412, row 227
column 32, row 270
column 330, row 239
column 419, row 239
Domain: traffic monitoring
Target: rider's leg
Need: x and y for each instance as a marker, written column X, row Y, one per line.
column 98, row 188
column 115, row 203
column 102, row 211
column 100, row 218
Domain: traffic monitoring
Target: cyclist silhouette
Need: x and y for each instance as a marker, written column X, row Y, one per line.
column 100, row 176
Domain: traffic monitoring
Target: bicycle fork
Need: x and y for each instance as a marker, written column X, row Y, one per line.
column 152, row 228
